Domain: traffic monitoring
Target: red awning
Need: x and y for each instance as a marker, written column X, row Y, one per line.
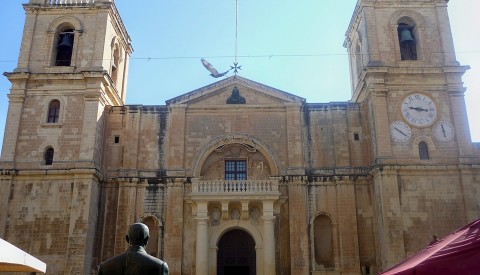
column 457, row 253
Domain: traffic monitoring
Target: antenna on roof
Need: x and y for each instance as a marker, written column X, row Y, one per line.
column 235, row 66
column 213, row 72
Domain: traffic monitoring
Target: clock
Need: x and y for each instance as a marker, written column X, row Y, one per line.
column 443, row 131
column 419, row 110
column 400, row 131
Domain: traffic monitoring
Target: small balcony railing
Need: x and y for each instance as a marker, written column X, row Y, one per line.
column 70, row 2
column 235, row 187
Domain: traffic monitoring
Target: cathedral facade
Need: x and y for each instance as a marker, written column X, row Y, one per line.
column 237, row 177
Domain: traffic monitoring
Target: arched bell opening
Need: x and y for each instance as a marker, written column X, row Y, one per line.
column 115, row 65
column 63, row 49
column 408, row 39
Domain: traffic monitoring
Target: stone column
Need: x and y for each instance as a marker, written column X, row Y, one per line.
column 269, row 238
column 297, row 211
column 202, row 239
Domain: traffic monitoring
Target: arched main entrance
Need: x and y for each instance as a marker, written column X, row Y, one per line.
column 236, row 254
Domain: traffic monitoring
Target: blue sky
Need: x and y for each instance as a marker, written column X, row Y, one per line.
column 295, row 46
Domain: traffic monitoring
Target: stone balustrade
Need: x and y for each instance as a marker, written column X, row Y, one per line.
column 235, row 187
column 70, row 2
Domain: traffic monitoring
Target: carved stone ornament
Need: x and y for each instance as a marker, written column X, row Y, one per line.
column 216, row 215
column 235, row 214
column 255, row 213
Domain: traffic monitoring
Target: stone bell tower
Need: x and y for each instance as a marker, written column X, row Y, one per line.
column 399, row 49
column 73, row 62
column 405, row 73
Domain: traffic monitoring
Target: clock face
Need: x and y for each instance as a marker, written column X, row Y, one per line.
column 400, row 131
column 419, row 110
column 443, row 131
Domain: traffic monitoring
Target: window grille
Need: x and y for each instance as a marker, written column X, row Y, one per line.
column 235, row 170
column 53, row 111
column 49, row 156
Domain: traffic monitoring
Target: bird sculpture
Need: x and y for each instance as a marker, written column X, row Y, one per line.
column 213, row 72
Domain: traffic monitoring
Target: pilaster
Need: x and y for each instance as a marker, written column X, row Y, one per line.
column 175, row 160
column 125, row 212
column 5, row 190
column 373, row 50
column 12, row 126
column 445, row 31
column 298, row 228
column 378, row 106
column 460, row 119
column 391, row 243
column 294, row 139
column 83, row 223
column 174, row 225
column 91, row 117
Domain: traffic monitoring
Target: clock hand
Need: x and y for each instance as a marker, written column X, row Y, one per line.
column 400, row 131
column 443, row 130
column 418, row 109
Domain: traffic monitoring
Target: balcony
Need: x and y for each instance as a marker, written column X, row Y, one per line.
column 70, row 2
column 241, row 189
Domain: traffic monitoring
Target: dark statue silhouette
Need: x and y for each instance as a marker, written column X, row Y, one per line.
column 135, row 260
column 236, row 98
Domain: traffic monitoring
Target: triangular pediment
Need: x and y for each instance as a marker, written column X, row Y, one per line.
column 247, row 92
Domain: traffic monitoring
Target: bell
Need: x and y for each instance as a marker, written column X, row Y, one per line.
column 66, row 42
column 406, row 35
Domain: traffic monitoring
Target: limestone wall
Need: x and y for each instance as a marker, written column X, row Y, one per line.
column 336, row 136
column 53, row 218
column 135, row 141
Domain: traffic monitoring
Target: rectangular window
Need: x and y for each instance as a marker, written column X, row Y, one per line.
column 53, row 111
column 235, row 170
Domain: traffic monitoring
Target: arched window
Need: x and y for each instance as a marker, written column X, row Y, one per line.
column 49, row 156
column 408, row 44
column 423, row 150
column 64, row 47
column 323, row 241
column 115, row 64
column 358, row 59
column 53, row 111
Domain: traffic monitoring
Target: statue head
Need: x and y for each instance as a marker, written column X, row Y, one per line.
column 138, row 234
